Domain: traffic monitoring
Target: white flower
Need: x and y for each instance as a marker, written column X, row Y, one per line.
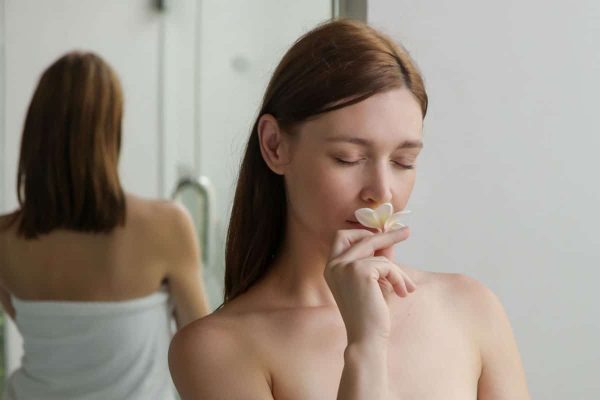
column 382, row 218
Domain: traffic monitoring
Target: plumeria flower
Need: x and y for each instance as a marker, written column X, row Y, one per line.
column 382, row 218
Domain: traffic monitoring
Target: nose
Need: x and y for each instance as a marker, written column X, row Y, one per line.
column 377, row 188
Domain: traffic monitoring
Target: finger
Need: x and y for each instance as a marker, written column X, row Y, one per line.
column 389, row 252
column 344, row 239
column 400, row 286
column 378, row 258
column 397, row 281
column 410, row 284
column 369, row 245
column 391, row 273
column 386, row 286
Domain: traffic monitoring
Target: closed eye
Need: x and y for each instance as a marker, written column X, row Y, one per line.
column 403, row 166
column 356, row 162
column 346, row 162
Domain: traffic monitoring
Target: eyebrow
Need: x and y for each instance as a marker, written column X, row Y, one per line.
column 407, row 144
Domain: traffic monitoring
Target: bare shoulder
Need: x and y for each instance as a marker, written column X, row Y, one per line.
column 209, row 340
column 477, row 300
column 164, row 222
column 479, row 311
column 464, row 296
column 200, row 353
column 469, row 289
column 475, row 304
column 462, row 290
column 211, row 358
column 221, row 334
column 157, row 211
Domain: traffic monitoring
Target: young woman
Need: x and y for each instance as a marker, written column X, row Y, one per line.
column 87, row 270
column 315, row 304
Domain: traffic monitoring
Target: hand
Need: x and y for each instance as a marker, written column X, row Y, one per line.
column 362, row 280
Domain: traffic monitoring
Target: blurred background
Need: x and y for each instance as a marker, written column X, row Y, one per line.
column 508, row 182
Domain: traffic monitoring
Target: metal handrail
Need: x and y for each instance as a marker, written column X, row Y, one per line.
column 204, row 188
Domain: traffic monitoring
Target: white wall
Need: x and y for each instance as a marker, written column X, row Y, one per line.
column 37, row 33
column 507, row 188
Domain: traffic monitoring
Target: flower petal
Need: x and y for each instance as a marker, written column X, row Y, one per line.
column 383, row 212
column 367, row 217
column 394, row 222
column 393, row 226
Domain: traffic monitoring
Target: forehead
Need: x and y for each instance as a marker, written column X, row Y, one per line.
column 389, row 117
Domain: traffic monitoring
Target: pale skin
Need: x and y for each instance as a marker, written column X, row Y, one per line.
column 156, row 246
column 336, row 316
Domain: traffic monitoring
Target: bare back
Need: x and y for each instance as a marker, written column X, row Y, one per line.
column 130, row 262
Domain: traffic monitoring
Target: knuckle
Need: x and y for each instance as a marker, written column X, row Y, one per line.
column 353, row 265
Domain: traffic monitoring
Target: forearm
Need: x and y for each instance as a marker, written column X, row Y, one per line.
column 365, row 374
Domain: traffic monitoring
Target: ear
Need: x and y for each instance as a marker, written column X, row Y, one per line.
column 273, row 144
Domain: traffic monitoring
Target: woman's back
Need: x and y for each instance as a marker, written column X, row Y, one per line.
column 95, row 310
column 81, row 262
column 129, row 262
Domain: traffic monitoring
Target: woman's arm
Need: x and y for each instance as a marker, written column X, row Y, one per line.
column 184, row 269
column 365, row 374
column 208, row 362
column 362, row 278
column 502, row 375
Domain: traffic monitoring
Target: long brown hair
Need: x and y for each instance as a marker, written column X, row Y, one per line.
column 335, row 65
column 68, row 167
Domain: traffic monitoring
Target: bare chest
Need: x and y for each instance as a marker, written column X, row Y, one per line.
column 430, row 357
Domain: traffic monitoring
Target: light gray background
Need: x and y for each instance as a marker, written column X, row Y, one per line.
column 507, row 188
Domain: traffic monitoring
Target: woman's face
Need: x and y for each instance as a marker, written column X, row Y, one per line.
column 362, row 155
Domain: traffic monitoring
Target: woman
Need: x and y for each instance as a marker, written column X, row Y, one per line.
column 315, row 305
column 87, row 270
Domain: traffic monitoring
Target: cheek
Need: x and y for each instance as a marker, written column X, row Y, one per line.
column 408, row 183
column 403, row 189
column 314, row 184
column 319, row 194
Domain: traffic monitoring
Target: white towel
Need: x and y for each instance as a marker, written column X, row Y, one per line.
column 93, row 350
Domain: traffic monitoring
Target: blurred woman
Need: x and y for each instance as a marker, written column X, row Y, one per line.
column 87, row 270
column 316, row 305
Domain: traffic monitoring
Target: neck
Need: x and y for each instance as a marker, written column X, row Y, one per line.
column 297, row 271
